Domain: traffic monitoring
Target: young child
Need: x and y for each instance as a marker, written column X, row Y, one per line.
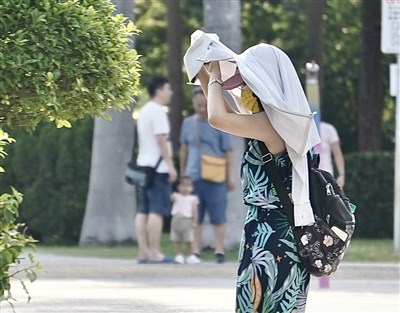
column 184, row 219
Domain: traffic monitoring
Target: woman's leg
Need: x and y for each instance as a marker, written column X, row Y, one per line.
column 270, row 275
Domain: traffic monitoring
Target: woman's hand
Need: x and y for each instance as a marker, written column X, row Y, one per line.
column 340, row 180
column 203, row 75
column 214, row 69
column 208, row 72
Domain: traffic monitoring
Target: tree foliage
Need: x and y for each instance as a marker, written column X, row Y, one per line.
column 63, row 59
column 151, row 44
column 60, row 60
column 280, row 23
column 371, row 189
column 52, row 167
column 284, row 23
column 12, row 241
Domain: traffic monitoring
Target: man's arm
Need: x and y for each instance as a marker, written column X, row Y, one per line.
column 229, row 165
column 183, row 153
column 163, row 145
column 339, row 161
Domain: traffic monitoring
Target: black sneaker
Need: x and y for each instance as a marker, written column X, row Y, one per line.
column 220, row 257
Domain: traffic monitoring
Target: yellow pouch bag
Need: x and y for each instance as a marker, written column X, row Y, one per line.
column 213, row 168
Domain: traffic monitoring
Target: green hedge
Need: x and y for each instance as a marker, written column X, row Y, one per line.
column 370, row 185
column 52, row 167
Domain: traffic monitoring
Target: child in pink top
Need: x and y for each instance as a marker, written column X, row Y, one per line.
column 184, row 219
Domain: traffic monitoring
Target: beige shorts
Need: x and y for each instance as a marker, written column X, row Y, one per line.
column 181, row 229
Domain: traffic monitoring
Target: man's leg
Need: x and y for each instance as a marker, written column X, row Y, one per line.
column 141, row 235
column 201, row 211
column 197, row 233
column 154, row 229
column 159, row 206
column 219, row 238
column 217, row 212
column 216, row 204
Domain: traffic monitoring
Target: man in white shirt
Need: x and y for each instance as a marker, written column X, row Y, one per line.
column 154, row 201
column 330, row 144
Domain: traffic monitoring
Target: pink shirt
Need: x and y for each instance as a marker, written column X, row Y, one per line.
column 329, row 136
column 183, row 205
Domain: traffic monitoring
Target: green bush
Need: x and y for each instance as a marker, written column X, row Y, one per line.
column 64, row 59
column 60, row 60
column 12, row 241
column 52, row 167
column 370, row 186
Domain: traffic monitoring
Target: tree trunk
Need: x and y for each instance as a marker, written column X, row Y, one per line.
column 315, row 51
column 370, row 104
column 223, row 18
column 110, row 207
column 174, row 40
column 316, row 9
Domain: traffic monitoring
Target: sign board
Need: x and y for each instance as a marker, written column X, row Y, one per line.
column 390, row 31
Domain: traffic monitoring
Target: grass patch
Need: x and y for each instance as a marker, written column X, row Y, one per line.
column 360, row 250
column 371, row 250
column 124, row 251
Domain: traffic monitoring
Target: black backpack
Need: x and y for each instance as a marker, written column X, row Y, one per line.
column 334, row 223
column 321, row 245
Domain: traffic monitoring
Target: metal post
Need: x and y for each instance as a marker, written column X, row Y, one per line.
column 396, row 225
column 312, row 89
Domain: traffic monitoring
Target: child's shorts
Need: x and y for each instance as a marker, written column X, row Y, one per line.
column 181, row 229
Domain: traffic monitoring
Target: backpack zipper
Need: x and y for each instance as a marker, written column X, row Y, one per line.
column 328, row 189
column 328, row 217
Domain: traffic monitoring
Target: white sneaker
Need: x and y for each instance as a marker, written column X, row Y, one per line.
column 179, row 259
column 193, row 259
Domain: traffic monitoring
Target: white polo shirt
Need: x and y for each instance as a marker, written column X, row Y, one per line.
column 153, row 120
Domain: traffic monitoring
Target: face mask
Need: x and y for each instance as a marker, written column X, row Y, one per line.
column 250, row 101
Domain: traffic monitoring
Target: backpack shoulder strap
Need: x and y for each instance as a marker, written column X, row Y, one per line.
column 276, row 178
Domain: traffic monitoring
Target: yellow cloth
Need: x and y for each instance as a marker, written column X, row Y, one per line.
column 250, row 101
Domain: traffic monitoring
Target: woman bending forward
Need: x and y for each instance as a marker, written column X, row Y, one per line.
column 270, row 275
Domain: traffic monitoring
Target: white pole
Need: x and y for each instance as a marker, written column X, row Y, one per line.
column 396, row 225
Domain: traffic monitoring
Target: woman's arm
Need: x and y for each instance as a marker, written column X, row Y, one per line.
column 256, row 126
column 204, row 78
column 339, row 161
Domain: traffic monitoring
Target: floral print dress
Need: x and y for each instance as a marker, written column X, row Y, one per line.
column 270, row 278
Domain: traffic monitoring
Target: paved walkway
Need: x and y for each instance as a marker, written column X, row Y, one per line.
column 70, row 284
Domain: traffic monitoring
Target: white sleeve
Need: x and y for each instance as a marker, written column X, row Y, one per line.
column 160, row 123
column 303, row 212
column 333, row 135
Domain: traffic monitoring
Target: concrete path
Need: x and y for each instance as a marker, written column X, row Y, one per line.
column 71, row 284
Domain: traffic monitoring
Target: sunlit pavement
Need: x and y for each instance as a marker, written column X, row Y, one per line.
column 69, row 284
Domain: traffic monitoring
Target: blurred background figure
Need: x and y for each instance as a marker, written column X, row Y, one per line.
column 330, row 145
column 184, row 220
column 154, row 202
column 198, row 137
